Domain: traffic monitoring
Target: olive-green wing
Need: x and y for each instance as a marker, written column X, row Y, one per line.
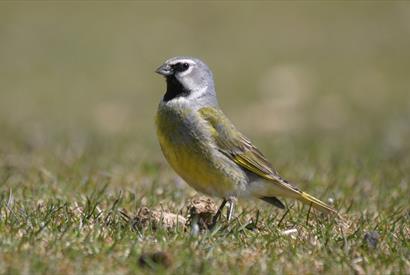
column 236, row 146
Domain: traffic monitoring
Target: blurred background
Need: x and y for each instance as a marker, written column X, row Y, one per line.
column 327, row 82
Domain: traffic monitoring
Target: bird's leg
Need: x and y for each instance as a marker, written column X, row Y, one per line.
column 218, row 213
column 231, row 208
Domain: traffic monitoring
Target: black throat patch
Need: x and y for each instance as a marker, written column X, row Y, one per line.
column 174, row 89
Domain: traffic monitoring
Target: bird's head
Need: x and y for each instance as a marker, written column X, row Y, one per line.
column 187, row 77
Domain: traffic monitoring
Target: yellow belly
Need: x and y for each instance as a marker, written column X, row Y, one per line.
column 188, row 150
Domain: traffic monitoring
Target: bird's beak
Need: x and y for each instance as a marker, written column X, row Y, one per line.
column 164, row 70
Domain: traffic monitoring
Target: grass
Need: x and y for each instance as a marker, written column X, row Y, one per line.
column 64, row 216
column 78, row 155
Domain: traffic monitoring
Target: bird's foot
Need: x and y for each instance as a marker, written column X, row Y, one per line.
column 230, row 211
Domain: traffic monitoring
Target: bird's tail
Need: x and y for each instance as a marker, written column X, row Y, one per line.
column 316, row 203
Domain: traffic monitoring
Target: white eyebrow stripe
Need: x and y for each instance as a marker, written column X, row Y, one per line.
column 189, row 61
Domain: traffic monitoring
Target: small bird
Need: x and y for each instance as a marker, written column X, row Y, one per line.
column 206, row 150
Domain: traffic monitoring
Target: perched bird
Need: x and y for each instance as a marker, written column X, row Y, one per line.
column 204, row 147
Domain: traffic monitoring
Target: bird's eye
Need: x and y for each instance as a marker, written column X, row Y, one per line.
column 180, row 67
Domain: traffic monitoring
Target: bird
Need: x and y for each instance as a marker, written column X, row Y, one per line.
column 205, row 148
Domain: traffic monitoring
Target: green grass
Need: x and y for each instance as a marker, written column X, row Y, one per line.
column 78, row 150
column 67, row 219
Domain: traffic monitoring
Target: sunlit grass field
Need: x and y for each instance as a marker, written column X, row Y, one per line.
column 322, row 89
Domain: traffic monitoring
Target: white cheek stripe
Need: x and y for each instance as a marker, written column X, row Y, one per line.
column 190, row 99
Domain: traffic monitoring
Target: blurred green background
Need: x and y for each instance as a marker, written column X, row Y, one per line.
column 296, row 77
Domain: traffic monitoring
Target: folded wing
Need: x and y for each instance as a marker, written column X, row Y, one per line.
column 238, row 148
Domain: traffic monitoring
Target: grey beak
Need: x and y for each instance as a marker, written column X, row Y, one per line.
column 164, row 70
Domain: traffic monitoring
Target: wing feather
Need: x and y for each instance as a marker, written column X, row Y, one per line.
column 238, row 148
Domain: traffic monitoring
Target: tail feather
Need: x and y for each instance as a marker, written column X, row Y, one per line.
column 274, row 201
column 286, row 189
column 316, row 203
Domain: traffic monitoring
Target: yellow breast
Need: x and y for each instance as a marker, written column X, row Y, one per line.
column 188, row 147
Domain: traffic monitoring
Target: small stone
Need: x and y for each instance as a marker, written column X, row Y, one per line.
column 372, row 239
column 292, row 231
